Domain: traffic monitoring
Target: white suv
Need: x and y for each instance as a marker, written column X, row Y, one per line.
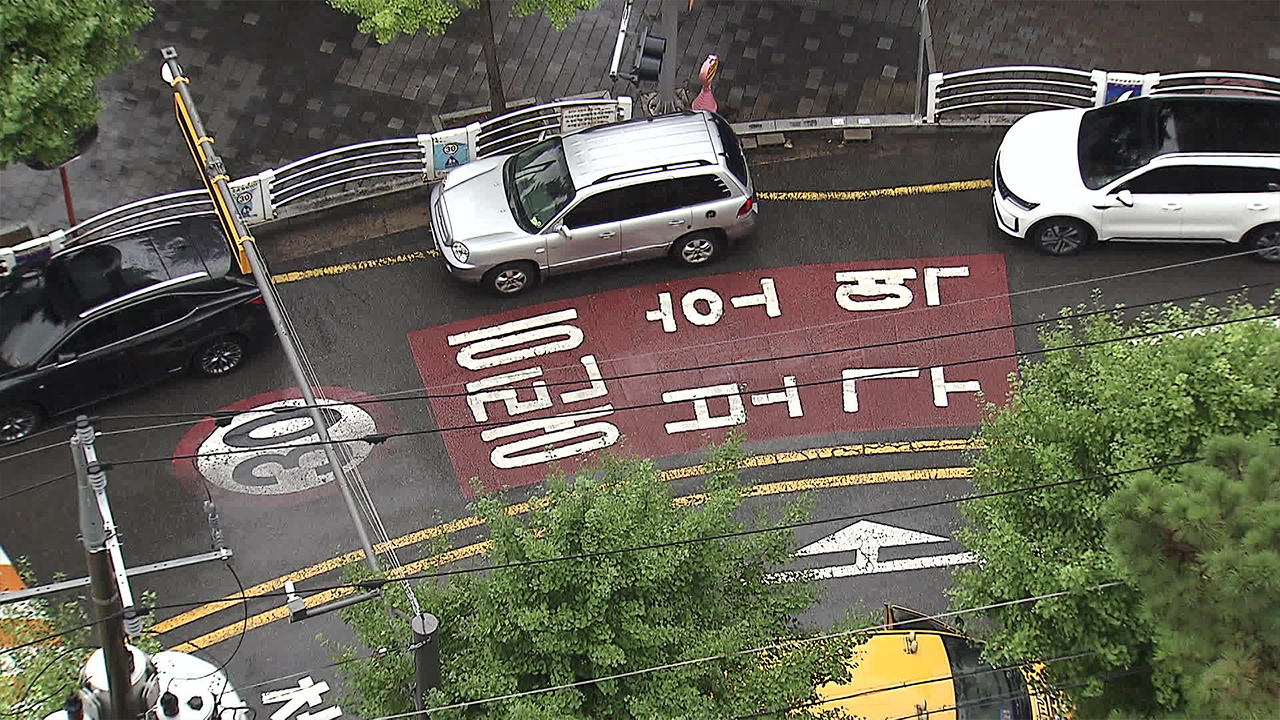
column 1188, row 168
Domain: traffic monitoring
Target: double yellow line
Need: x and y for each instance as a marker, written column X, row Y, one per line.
column 757, row 461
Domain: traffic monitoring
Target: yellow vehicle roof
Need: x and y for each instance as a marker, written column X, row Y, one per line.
column 889, row 682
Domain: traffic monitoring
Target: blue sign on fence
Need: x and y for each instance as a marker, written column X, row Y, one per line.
column 449, row 155
column 1122, row 86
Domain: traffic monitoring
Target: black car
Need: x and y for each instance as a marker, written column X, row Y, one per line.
column 102, row 319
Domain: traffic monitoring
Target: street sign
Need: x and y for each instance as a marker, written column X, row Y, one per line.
column 866, row 538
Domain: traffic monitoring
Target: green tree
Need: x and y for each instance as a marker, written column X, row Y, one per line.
column 385, row 18
column 1203, row 551
column 34, row 681
column 53, row 53
column 1115, row 406
column 532, row 626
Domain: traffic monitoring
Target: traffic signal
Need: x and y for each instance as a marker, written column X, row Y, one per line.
column 649, row 50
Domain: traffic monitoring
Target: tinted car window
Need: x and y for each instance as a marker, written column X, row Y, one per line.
column 538, row 183
column 981, row 690
column 700, row 189
column 654, row 197
column 606, row 207
column 153, row 313
column 1236, row 179
column 1112, row 142
column 1216, row 125
column 1165, row 180
column 734, row 159
column 30, row 324
column 93, row 335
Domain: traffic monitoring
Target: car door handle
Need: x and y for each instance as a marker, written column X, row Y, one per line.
column 677, row 222
column 607, row 234
column 1256, row 206
column 1171, row 206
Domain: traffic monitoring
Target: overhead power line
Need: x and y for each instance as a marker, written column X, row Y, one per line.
column 416, row 395
column 377, row 438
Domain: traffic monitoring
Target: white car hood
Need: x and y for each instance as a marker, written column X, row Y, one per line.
column 476, row 202
column 1038, row 155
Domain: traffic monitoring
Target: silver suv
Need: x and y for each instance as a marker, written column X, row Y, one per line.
column 675, row 185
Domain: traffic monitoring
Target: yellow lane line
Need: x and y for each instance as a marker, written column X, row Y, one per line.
column 413, row 538
column 348, row 267
column 763, row 489
column 857, row 195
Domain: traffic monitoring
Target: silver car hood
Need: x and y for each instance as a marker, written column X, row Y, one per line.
column 476, row 202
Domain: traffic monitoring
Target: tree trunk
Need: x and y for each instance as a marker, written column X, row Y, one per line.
column 497, row 99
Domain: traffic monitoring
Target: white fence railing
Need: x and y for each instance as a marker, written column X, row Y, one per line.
column 1020, row 89
column 335, row 177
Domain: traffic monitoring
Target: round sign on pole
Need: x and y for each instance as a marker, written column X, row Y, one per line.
column 269, row 450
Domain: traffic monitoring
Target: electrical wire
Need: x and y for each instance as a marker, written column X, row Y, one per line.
column 244, row 630
column 737, row 653
column 38, row 485
column 415, row 395
column 377, row 438
column 375, row 655
column 21, row 704
column 375, row 583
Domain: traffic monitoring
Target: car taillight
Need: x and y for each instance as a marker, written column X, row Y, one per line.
column 746, row 207
column 258, row 301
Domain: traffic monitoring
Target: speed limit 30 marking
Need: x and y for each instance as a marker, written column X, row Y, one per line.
column 268, row 450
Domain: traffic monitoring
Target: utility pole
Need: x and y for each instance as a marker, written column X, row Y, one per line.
column 108, row 600
column 426, row 655
column 926, row 53
column 213, row 171
column 667, row 73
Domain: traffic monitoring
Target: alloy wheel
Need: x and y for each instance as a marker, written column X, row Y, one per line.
column 17, row 423
column 221, row 357
column 1061, row 238
column 697, row 251
column 511, row 280
column 1268, row 244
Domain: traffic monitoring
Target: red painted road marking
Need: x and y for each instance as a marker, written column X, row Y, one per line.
column 509, row 364
column 275, row 476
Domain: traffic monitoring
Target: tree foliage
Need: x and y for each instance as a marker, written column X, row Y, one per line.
column 385, row 18
column 1203, row 551
column 1112, row 407
column 34, row 681
column 533, row 626
column 53, row 51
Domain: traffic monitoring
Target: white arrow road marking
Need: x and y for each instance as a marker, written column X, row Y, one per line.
column 866, row 538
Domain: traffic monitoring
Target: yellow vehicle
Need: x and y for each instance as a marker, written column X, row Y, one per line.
column 921, row 668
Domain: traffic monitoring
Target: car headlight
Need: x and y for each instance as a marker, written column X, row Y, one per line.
column 460, row 251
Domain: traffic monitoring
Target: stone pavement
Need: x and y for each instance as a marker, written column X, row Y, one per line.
column 276, row 81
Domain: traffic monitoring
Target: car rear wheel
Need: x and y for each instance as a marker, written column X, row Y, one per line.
column 19, row 420
column 511, row 278
column 1265, row 242
column 697, row 248
column 1060, row 236
column 220, row 357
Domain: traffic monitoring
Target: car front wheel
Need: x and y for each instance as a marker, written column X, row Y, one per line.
column 510, row 278
column 18, row 420
column 1264, row 241
column 697, row 248
column 1060, row 236
column 220, row 357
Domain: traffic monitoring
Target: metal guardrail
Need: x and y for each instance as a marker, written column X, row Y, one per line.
column 1020, row 89
column 334, row 177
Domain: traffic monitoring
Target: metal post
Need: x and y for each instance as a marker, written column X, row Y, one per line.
column 263, row 278
column 104, row 593
column 233, row 225
column 66, row 195
column 426, row 655
column 670, row 57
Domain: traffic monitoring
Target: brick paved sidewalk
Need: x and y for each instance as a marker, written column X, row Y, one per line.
column 276, row 81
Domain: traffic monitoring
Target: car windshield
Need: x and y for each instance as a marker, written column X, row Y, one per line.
column 538, row 183
column 1113, row 141
column 982, row 691
column 29, row 324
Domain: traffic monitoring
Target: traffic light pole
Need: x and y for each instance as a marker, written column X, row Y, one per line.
column 214, row 173
column 667, row 73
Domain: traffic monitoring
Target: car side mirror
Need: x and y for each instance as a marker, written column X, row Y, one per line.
column 66, row 357
column 1273, row 187
column 563, row 231
column 1125, row 198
